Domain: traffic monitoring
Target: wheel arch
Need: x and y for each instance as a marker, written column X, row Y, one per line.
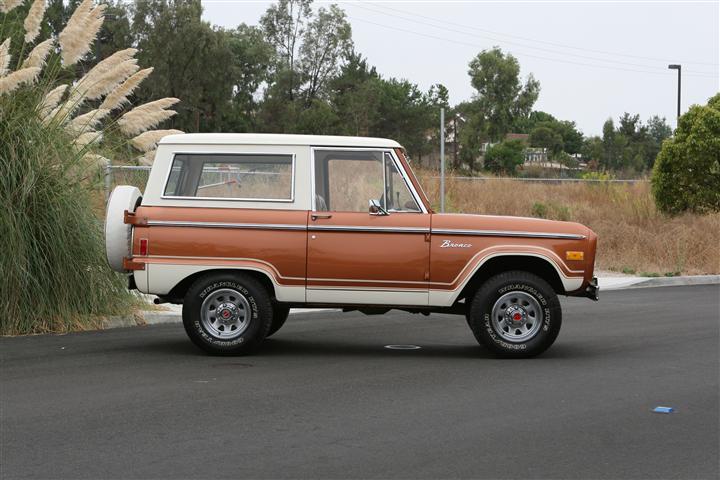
column 536, row 264
column 178, row 291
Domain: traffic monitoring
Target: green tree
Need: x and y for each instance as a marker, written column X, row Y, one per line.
column 505, row 157
column 500, row 94
column 253, row 58
column 686, row 176
column 526, row 123
column 190, row 57
column 543, row 136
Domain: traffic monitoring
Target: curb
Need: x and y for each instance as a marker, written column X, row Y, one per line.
column 143, row 318
column 677, row 281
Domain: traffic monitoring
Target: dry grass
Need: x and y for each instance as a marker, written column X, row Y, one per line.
column 633, row 236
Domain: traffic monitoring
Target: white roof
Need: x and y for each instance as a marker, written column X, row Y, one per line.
column 276, row 139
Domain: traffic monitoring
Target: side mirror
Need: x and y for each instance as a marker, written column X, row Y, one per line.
column 375, row 208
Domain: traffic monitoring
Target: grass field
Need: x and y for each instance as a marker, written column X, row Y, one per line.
column 633, row 236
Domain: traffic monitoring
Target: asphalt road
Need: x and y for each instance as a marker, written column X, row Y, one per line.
column 324, row 399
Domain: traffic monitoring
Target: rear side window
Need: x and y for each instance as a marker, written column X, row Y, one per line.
column 231, row 176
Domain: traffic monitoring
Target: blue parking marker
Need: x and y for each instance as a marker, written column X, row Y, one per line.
column 663, row 410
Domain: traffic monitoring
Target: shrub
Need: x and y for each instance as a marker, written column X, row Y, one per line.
column 54, row 276
column 505, row 157
column 539, row 210
column 686, row 176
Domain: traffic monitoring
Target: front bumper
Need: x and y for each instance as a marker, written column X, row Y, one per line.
column 593, row 290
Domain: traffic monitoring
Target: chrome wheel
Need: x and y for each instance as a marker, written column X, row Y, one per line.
column 225, row 314
column 517, row 316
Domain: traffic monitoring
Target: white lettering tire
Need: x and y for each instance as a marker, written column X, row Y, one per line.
column 118, row 234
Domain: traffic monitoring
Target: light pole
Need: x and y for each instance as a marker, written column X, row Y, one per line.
column 677, row 67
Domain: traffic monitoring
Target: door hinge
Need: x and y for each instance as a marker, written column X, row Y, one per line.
column 427, row 275
column 129, row 264
column 427, row 237
column 132, row 219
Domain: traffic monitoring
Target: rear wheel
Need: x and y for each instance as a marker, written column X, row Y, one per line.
column 227, row 313
column 515, row 314
column 280, row 315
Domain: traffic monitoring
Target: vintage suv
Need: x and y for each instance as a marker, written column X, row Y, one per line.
column 240, row 228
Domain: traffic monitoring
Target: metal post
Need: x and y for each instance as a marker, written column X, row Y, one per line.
column 108, row 180
column 677, row 67
column 442, row 160
column 679, row 80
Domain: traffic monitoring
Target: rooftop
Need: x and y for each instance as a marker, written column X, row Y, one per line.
column 276, row 139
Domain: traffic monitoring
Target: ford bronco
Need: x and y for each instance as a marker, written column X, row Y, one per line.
column 239, row 228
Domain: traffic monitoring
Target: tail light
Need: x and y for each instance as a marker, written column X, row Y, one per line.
column 143, row 246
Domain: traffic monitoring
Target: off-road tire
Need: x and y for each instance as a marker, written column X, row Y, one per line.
column 280, row 315
column 259, row 306
column 486, row 331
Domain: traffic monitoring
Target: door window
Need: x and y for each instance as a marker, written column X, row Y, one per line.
column 345, row 181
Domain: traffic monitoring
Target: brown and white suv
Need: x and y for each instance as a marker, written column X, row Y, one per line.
column 240, row 228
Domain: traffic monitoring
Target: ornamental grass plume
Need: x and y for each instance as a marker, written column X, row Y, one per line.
column 118, row 97
column 110, row 80
column 12, row 81
column 76, row 38
column 4, row 57
column 146, row 116
column 38, row 55
column 86, row 121
column 33, row 20
column 51, row 100
column 52, row 156
column 87, row 138
column 7, row 5
column 148, row 141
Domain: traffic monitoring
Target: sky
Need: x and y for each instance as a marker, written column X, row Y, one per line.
column 595, row 59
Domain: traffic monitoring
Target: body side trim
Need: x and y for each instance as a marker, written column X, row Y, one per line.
column 507, row 233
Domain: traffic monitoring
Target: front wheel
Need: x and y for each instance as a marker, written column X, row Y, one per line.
column 515, row 314
column 227, row 313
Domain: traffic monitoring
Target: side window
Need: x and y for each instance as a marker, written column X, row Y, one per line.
column 232, row 176
column 345, row 181
column 399, row 198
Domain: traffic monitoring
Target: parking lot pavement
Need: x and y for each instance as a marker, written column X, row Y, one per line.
column 324, row 399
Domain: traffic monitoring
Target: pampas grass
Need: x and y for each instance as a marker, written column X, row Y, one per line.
column 50, row 160
column 7, row 5
column 89, row 120
column 110, row 80
column 87, row 138
column 76, row 38
column 15, row 79
column 148, row 141
column 146, row 116
column 118, row 97
column 4, row 57
column 51, row 100
column 36, row 58
column 33, row 20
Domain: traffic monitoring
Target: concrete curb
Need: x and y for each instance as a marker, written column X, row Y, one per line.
column 676, row 281
column 174, row 314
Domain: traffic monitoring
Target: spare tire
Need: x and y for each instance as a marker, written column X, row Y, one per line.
column 118, row 234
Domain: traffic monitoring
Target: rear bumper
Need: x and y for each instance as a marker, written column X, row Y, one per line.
column 593, row 290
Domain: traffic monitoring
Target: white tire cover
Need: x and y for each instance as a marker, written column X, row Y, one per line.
column 118, row 234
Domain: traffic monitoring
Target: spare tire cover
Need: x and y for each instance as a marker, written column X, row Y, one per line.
column 118, row 234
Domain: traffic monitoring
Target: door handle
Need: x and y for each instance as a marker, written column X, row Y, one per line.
column 315, row 216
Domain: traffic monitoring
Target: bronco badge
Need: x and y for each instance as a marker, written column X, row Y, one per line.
column 451, row 244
